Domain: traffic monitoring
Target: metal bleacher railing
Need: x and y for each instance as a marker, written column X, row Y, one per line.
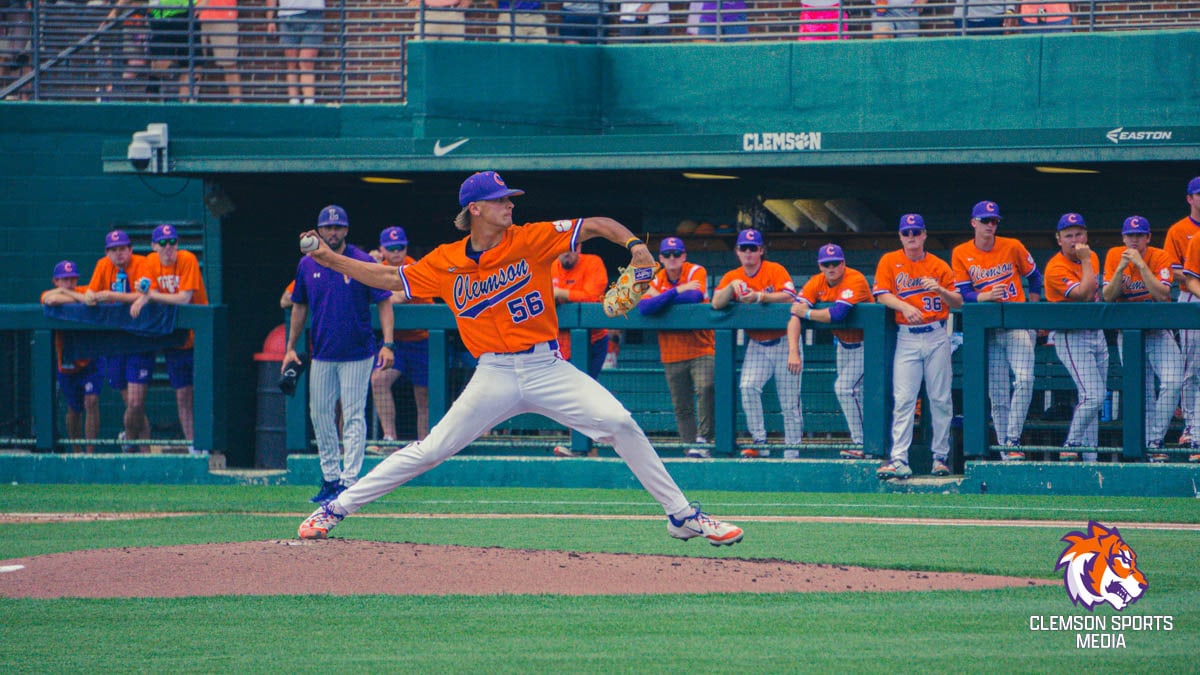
column 105, row 50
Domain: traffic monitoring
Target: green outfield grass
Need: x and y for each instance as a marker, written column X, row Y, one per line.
column 826, row 632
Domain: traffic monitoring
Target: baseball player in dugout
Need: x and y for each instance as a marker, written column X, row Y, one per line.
column 344, row 351
column 755, row 281
column 1073, row 275
column 1180, row 237
column 497, row 283
column 1190, row 339
column 113, row 280
column 989, row 269
column 1139, row 272
column 920, row 287
column 175, row 280
column 79, row 381
column 845, row 287
column 581, row 277
column 687, row 355
column 410, row 349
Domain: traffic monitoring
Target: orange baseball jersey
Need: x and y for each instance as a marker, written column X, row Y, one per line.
column 851, row 290
column 505, row 301
column 772, row 278
column 1063, row 275
column 681, row 345
column 1002, row 267
column 1191, row 261
column 409, row 335
column 63, row 367
column 1179, row 237
column 184, row 275
column 105, row 274
column 901, row 277
column 585, row 282
column 1134, row 286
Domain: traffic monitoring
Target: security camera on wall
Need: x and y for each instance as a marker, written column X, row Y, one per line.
column 148, row 150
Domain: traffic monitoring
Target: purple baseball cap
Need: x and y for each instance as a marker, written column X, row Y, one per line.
column 333, row 216
column 66, row 269
column 393, row 236
column 483, row 186
column 830, row 253
column 750, row 236
column 1194, row 185
column 910, row 221
column 1071, row 220
column 1135, row 225
column 672, row 244
column 986, row 209
column 116, row 238
column 164, row 232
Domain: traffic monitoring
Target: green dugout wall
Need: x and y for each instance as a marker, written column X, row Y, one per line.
column 926, row 124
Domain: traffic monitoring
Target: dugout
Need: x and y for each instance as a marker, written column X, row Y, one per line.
column 931, row 125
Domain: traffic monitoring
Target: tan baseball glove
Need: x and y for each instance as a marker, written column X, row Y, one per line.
column 629, row 287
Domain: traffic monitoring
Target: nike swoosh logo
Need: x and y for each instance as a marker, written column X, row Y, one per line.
column 440, row 150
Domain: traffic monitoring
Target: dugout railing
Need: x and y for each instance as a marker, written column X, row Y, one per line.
column 102, row 51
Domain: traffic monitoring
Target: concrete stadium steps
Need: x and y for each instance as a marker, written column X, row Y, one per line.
column 766, row 475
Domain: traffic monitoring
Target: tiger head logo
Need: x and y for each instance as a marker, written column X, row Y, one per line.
column 1098, row 567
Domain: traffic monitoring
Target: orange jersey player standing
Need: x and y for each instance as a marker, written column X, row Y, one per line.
column 757, row 280
column 989, row 268
column 498, row 285
column 687, row 355
column 845, row 287
column 79, row 380
column 581, row 277
column 920, row 287
column 1179, row 239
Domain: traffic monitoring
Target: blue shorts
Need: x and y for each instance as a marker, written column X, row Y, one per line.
column 305, row 29
column 412, row 359
column 128, row 368
column 82, row 383
column 180, row 365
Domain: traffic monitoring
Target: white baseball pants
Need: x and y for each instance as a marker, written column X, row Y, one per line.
column 1166, row 361
column 1010, row 350
column 1189, row 346
column 848, row 387
column 506, row 385
column 761, row 363
column 1085, row 355
column 329, row 382
column 922, row 353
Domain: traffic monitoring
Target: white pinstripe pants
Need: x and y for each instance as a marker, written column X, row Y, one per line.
column 1085, row 355
column 349, row 381
column 762, row 362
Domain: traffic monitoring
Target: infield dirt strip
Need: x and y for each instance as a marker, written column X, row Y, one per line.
column 294, row 567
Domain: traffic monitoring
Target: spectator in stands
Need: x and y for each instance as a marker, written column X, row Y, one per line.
column 845, row 287
column 1073, row 275
column 219, row 33
column 919, row 286
column 442, row 19
column 175, row 279
column 79, row 381
column 581, row 277
column 731, row 20
column 645, row 19
column 822, row 20
column 980, row 17
column 1043, row 17
column 15, row 47
column 1176, row 245
column 582, row 21
column 989, row 269
column 301, row 28
column 173, row 40
column 522, row 19
column 410, row 348
column 687, row 355
column 1138, row 272
column 113, row 280
column 756, row 281
column 695, row 9
column 896, row 18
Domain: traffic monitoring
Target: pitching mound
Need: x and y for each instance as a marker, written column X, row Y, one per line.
column 293, row 567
